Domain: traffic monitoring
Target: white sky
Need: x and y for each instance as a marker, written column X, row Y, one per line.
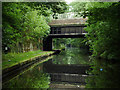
column 69, row 1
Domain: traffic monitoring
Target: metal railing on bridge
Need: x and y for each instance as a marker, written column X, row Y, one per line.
column 70, row 15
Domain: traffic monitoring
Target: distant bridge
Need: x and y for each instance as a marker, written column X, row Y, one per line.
column 65, row 28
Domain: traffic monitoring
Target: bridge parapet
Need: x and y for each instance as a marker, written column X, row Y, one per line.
column 64, row 22
column 68, row 30
column 68, row 27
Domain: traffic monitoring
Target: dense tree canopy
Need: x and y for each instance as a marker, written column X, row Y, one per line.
column 27, row 22
column 103, row 39
column 103, row 29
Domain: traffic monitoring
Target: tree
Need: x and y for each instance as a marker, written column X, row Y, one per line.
column 103, row 39
column 103, row 29
column 25, row 23
column 80, row 8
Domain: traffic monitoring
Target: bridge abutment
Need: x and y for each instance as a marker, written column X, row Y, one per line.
column 47, row 44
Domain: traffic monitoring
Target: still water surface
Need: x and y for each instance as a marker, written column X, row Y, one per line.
column 37, row 77
column 72, row 56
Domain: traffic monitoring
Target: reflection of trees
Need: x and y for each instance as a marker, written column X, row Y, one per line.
column 71, row 56
column 31, row 79
column 106, row 75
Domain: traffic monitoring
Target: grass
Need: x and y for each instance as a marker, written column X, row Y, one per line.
column 12, row 59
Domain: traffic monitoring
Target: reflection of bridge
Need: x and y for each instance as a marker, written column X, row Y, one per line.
column 66, row 73
column 64, row 28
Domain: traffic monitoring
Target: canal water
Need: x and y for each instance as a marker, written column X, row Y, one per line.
column 63, row 70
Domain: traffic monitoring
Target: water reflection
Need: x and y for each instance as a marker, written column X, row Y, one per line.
column 105, row 74
column 72, row 56
column 34, row 78
column 38, row 78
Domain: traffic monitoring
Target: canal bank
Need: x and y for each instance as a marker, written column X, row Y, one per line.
column 16, row 68
column 12, row 59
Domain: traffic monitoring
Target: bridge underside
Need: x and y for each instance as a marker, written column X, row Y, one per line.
column 47, row 42
column 66, row 36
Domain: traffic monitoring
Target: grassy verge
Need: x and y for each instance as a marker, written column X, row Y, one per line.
column 12, row 59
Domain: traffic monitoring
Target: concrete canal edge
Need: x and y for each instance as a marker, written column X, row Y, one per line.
column 16, row 68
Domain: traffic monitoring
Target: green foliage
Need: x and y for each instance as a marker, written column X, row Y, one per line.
column 56, row 7
column 103, row 39
column 25, row 23
column 22, row 24
column 77, row 42
column 35, row 25
column 80, row 8
column 103, row 30
column 50, row 8
column 74, row 42
column 59, row 43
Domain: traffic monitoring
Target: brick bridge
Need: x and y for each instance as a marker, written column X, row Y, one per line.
column 64, row 28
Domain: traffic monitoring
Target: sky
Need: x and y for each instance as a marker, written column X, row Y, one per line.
column 69, row 1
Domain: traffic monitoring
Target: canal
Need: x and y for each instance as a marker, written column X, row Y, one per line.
column 68, row 69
